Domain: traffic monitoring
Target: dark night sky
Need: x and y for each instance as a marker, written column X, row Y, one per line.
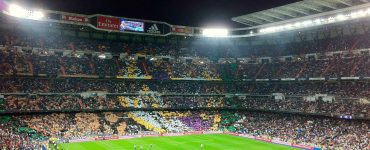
column 204, row 13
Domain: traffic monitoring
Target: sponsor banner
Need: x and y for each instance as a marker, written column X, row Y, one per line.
column 156, row 28
column 109, row 23
column 280, row 142
column 231, row 133
column 79, row 19
column 287, row 79
column 114, row 137
column 262, row 79
column 302, row 79
column 172, row 134
column 99, row 138
column 196, row 79
column 79, row 140
column 133, row 77
column 150, row 135
column 302, row 146
column 316, row 78
column 195, row 132
column 350, row 78
column 182, row 29
column 263, row 139
column 247, row 136
column 128, row 137
column 79, row 76
column 212, row 132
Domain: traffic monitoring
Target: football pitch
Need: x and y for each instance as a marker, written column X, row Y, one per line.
column 189, row 142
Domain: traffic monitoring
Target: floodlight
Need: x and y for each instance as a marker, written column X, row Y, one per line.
column 21, row 12
column 297, row 24
column 331, row 19
column 288, row 26
column 361, row 13
column 367, row 11
column 341, row 17
column 354, row 15
column 307, row 22
column 317, row 21
column 215, row 32
column 37, row 15
column 17, row 11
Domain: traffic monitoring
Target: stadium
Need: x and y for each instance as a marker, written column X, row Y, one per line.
column 295, row 76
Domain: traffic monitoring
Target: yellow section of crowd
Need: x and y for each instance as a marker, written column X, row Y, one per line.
column 146, row 124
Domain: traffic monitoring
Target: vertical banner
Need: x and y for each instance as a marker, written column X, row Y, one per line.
column 109, row 23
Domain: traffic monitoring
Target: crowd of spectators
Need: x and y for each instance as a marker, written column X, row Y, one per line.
column 338, row 108
column 296, row 47
column 13, row 135
column 347, row 89
column 71, row 85
column 179, row 121
column 57, row 103
column 15, row 61
column 327, row 67
column 182, row 62
column 326, row 133
column 62, row 125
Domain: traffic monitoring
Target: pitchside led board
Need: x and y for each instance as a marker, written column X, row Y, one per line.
column 129, row 25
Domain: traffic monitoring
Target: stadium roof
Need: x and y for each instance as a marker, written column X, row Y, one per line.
column 295, row 10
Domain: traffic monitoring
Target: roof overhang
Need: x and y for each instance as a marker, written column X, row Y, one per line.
column 296, row 10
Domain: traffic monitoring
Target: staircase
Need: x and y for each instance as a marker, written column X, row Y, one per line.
column 329, row 67
column 82, row 105
column 259, row 71
column 299, row 74
column 356, row 66
column 145, row 68
column 62, row 67
column 30, row 66
column 281, row 69
column 92, row 67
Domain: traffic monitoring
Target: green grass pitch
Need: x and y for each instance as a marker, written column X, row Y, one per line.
column 189, row 142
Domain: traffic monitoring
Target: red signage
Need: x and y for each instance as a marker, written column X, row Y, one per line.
column 109, row 23
column 80, row 19
column 263, row 139
column 182, row 29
